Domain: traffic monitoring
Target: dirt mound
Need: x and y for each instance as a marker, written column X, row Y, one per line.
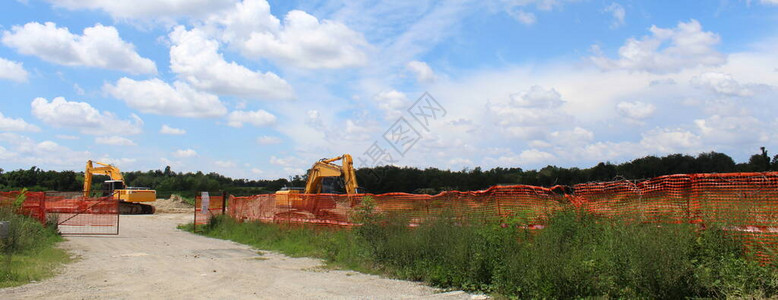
column 173, row 205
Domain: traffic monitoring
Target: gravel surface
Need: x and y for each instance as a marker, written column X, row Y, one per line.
column 151, row 259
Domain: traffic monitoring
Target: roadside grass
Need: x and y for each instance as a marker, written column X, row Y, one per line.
column 576, row 255
column 29, row 252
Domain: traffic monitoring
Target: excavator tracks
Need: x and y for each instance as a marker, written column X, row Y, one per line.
column 130, row 208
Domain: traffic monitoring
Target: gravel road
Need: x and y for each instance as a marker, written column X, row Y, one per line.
column 151, row 259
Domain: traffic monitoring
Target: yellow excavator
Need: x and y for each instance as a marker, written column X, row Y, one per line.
column 322, row 170
column 129, row 197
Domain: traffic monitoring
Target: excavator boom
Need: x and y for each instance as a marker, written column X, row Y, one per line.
column 325, row 168
column 128, row 197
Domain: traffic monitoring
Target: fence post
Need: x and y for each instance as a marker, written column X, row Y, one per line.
column 224, row 202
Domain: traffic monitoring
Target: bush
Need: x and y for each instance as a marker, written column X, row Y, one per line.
column 28, row 252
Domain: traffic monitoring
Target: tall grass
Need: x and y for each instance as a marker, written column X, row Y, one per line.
column 28, row 253
column 576, row 255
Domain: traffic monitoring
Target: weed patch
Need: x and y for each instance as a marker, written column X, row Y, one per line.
column 28, row 253
column 576, row 255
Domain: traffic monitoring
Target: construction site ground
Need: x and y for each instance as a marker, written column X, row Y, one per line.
column 151, row 259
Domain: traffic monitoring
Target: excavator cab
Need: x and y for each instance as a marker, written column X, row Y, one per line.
column 109, row 186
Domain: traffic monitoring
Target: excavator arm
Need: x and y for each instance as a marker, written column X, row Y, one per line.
column 326, row 168
column 103, row 169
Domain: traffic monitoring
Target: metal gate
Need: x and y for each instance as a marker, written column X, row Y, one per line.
column 76, row 215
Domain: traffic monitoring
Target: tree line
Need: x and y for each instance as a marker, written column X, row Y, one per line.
column 385, row 179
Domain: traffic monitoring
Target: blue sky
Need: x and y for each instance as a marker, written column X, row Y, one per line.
column 257, row 89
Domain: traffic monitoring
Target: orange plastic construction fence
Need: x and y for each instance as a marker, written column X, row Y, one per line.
column 72, row 216
column 745, row 204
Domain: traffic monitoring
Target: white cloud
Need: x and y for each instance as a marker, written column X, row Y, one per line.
column 256, row 118
column 18, row 124
column 100, row 46
column 12, row 70
column 732, row 129
column 526, row 157
column 157, row 97
column 392, row 102
column 83, row 117
column 115, row 141
column 618, row 13
column 422, row 71
column 79, row 91
column 300, row 41
column 529, row 114
column 146, row 9
column 196, row 59
column 670, row 141
column 225, row 163
column 26, row 151
column 534, row 156
column 769, row 2
column 257, row 171
column 576, row 137
column 184, row 153
column 170, row 130
column 721, row 83
column 268, row 140
column 66, row 137
column 290, row 161
column 635, row 110
column 666, row 50
column 526, row 18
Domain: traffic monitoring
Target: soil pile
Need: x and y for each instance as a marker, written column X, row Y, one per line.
column 175, row 204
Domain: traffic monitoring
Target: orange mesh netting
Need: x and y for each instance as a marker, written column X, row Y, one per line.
column 745, row 204
column 33, row 203
column 73, row 216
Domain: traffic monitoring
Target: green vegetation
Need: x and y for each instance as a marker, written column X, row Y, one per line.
column 576, row 255
column 28, row 254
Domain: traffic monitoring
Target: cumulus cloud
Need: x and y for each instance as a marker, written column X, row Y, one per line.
column 157, row 97
column 422, row 71
column 301, row 41
column 83, row 117
column 196, row 59
column 666, row 50
column 529, row 114
column 392, row 102
column 184, row 153
column 99, row 46
column 12, row 70
column 268, row 140
column 618, row 13
column 575, row 137
column 256, row 118
column 26, row 151
column 732, row 129
column 721, row 83
column 635, row 110
column 115, row 141
column 670, row 140
column 18, row 124
column 146, row 9
column 171, row 131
